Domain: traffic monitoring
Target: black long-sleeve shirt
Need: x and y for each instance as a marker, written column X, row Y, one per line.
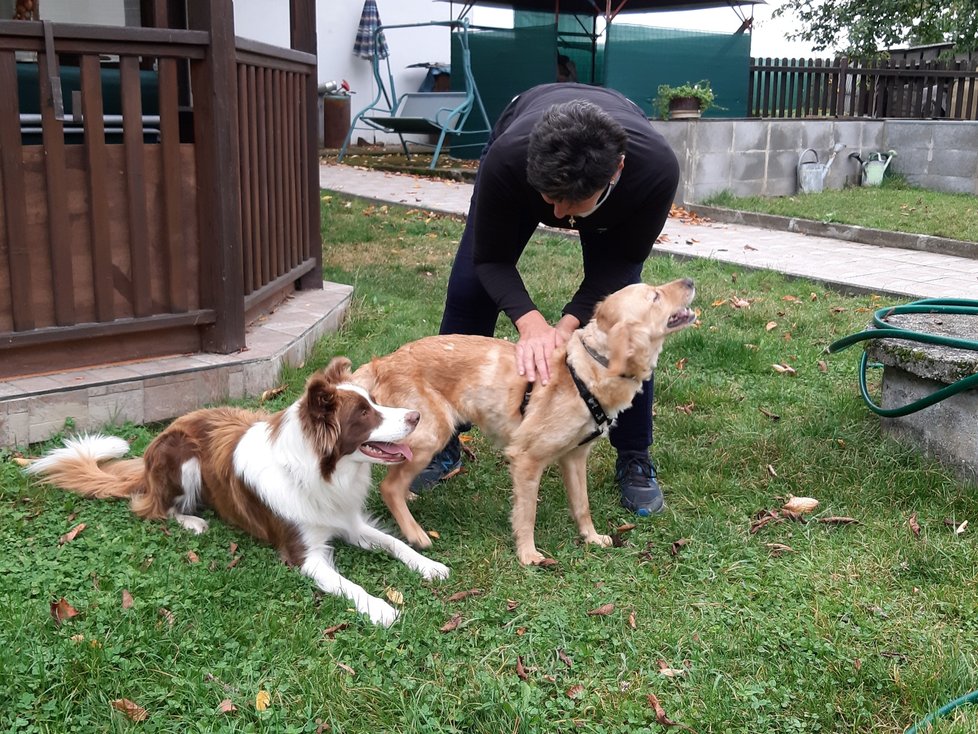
column 620, row 234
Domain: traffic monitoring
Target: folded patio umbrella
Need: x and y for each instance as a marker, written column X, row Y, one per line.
column 369, row 43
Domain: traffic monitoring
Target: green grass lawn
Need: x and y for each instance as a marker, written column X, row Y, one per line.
column 797, row 627
column 892, row 206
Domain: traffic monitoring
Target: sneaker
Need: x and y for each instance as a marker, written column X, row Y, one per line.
column 443, row 465
column 639, row 488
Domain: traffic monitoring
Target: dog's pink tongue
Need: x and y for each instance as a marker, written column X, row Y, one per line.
column 395, row 448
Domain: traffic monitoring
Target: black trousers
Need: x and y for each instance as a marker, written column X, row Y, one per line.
column 470, row 310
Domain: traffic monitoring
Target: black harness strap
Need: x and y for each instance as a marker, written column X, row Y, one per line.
column 597, row 412
column 593, row 406
column 526, row 398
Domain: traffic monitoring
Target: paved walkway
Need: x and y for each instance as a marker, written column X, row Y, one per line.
column 906, row 274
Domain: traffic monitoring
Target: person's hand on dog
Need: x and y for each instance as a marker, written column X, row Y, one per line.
column 538, row 341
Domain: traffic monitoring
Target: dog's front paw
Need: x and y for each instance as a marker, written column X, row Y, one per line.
column 533, row 557
column 380, row 612
column 194, row 524
column 418, row 538
column 603, row 540
column 435, row 571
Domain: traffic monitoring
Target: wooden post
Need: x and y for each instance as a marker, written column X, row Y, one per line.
column 215, row 95
column 303, row 36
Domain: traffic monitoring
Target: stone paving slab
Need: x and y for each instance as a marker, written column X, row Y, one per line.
column 851, row 266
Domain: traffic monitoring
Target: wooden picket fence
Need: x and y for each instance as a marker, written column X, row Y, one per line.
column 842, row 88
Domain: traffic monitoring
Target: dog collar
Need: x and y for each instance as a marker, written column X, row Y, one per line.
column 597, row 412
column 599, row 358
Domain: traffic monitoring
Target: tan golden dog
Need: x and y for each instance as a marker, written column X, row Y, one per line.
column 452, row 380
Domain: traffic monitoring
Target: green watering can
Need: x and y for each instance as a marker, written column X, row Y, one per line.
column 874, row 166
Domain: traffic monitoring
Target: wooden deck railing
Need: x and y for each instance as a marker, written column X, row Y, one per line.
column 136, row 224
column 880, row 89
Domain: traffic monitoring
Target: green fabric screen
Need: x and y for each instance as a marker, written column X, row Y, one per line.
column 639, row 58
column 633, row 59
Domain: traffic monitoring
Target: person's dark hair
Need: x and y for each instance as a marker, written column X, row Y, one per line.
column 574, row 151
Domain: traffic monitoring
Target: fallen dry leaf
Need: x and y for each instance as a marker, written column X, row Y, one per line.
column 452, row 624
column 669, row 672
column 769, row 516
column 22, row 462
column 681, row 364
column 575, row 691
column 126, row 599
column 823, row 366
column 133, row 711
column 562, row 657
column 167, row 615
column 961, row 528
column 625, row 527
column 394, row 596
column 631, row 621
column 660, row 714
column 71, row 534
column 749, row 247
column 769, row 414
column 271, row 393
column 739, row 303
column 62, row 610
column 520, row 670
column 784, row 369
column 460, row 595
column 330, row 632
column 770, row 325
column 511, row 605
column 771, row 470
column 677, row 545
column 232, row 549
column 226, row 706
column 687, row 409
column 791, row 299
column 602, row 611
column 262, row 699
column 520, row 631
column 914, row 525
column 234, row 562
column 719, row 302
column 833, row 520
column 778, row 549
column 800, row 505
column 346, row 668
column 192, row 557
column 434, row 534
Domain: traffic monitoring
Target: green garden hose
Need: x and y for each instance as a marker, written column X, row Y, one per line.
column 924, row 725
column 884, row 331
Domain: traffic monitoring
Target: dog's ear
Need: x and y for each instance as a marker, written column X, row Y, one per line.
column 631, row 352
column 320, row 399
column 338, row 370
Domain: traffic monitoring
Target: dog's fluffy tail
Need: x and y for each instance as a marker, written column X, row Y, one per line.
column 88, row 465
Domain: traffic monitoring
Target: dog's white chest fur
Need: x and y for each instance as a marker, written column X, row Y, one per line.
column 285, row 474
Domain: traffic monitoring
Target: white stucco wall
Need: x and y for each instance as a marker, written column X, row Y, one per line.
column 336, row 29
column 337, row 22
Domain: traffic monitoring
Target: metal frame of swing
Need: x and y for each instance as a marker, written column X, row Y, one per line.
column 412, row 113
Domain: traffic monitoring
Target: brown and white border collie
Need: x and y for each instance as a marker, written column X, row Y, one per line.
column 295, row 479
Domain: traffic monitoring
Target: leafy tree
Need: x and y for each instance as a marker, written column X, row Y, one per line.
column 868, row 27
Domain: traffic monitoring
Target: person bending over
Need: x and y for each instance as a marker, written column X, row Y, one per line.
column 581, row 158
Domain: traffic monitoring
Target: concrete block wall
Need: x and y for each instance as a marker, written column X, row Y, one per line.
column 760, row 157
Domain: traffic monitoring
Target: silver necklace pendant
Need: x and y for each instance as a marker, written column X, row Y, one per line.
column 572, row 222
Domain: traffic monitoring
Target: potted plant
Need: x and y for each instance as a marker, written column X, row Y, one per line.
column 684, row 101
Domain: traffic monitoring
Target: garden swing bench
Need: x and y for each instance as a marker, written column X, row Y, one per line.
column 431, row 113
